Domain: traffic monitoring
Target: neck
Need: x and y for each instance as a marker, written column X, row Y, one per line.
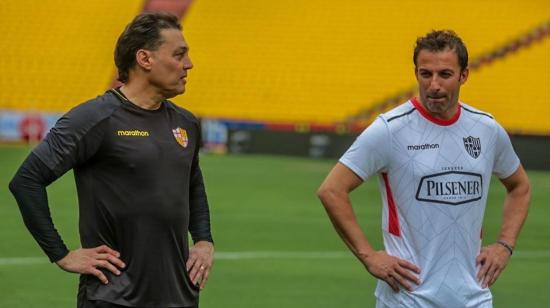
column 443, row 118
column 142, row 95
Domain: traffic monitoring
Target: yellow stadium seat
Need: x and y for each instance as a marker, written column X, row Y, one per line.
column 296, row 60
column 59, row 53
column 282, row 61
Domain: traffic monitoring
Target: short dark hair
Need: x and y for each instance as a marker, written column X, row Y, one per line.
column 439, row 40
column 142, row 33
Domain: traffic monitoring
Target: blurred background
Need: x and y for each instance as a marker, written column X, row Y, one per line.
column 282, row 89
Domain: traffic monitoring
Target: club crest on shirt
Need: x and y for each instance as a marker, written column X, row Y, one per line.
column 181, row 136
column 473, row 146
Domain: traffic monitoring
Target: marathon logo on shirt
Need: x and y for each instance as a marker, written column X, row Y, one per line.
column 135, row 132
column 451, row 187
column 427, row 146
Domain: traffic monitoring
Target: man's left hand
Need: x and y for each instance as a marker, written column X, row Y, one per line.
column 493, row 259
column 199, row 264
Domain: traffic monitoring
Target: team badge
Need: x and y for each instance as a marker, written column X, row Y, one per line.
column 473, row 146
column 181, row 136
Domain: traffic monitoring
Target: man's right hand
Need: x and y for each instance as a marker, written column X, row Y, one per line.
column 88, row 260
column 392, row 270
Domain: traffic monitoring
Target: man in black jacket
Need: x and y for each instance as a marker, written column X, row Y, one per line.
column 140, row 187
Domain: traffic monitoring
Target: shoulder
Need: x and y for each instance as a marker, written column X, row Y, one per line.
column 399, row 112
column 77, row 134
column 186, row 114
column 93, row 111
column 471, row 111
column 476, row 115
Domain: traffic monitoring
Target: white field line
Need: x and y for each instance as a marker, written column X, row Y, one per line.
column 249, row 255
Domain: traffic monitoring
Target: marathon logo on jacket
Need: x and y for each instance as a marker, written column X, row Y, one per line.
column 135, row 133
column 451, row 187
column 473, row 146
column 181, row 136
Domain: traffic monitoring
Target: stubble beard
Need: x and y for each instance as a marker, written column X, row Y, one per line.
column 441, row 108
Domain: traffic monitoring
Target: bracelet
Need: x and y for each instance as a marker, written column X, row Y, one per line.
column 507, row 246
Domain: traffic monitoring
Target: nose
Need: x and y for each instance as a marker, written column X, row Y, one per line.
column 434, row 84
column 187, row 64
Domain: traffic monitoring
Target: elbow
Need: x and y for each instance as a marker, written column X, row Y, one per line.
column 520, row 194
column 527, row 192
column 524, row 190
column 13, row 185
column 325, row 194
column 321, row 192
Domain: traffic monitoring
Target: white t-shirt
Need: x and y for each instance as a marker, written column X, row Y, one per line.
column 434, row 178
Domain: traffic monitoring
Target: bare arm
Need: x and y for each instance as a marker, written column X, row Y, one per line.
column 494, row 258
column 516, row 205
column 334, row 194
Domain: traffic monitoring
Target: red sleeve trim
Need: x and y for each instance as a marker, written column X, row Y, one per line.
column 393, row 218
column 433, row 119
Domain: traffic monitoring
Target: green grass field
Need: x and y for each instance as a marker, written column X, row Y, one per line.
column 264, row 210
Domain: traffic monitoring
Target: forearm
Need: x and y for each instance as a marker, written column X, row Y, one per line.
column 516, row 205
column 29, row 189
column 199, row 221
column 342, row 216
column 199, row 225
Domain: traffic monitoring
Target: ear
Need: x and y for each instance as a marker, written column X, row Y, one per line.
column 143, row 59
column 464, row 76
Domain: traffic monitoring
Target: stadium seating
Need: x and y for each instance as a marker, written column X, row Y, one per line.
column 515, row 90
column 59, row 53
column 286, row 61
column 294, row 61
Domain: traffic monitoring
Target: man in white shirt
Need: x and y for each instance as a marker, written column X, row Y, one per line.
column 434, row 157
